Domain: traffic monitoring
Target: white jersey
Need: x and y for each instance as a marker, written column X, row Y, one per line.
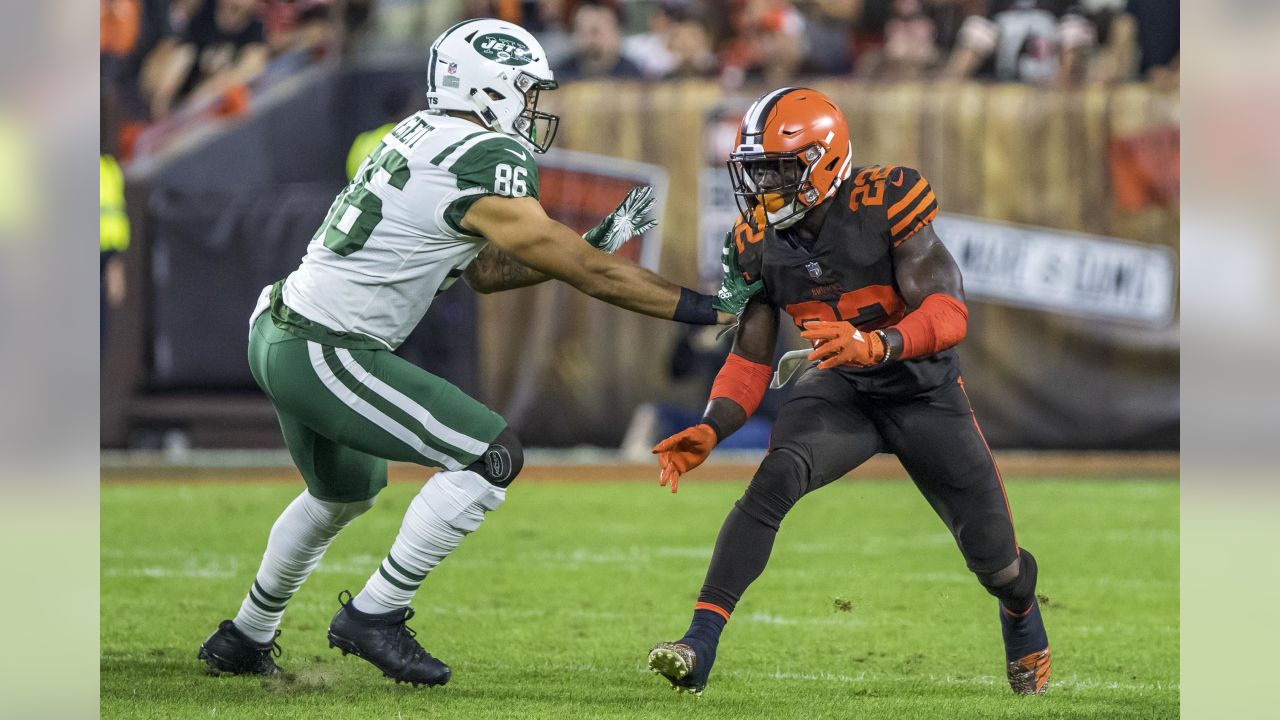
column 392, row 240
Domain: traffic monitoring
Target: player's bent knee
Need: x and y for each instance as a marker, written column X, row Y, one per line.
column 336, row 514
column 985, row 537
column 353, row 510
column 776, row 487
column 1015, row 584
column 501, row 461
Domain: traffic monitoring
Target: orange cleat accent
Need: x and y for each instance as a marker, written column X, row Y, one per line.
column 1029, row 675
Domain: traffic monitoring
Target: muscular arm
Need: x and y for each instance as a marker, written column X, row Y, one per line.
column 494, row 270
column 922, row 267
column 520, row 228
column 757, row 335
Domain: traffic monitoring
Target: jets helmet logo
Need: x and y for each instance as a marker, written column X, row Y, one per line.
column 503, row 49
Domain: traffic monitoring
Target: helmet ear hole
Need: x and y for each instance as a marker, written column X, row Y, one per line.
column 494, row 95
column 832, row 165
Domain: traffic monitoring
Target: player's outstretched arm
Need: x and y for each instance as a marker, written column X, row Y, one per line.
column 520, row 228
column 494, row 270
column 738, row 389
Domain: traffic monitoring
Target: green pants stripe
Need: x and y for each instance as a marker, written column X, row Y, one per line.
column 345, row 412
column 393, row 402
column 347, row 390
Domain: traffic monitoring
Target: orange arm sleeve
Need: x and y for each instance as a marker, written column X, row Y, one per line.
column 940, row 322
column 742, row 381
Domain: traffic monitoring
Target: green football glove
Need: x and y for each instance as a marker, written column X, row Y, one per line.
column 624, row 223
column 735, row 291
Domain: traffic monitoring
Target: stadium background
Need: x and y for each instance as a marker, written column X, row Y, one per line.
column 224, row 190
column 1077, row 134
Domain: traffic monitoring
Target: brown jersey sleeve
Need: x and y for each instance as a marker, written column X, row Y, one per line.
column 909, row 203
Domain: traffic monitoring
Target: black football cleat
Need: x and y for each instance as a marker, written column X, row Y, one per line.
column 229, row 651
column 685, row 666
column 385, row 642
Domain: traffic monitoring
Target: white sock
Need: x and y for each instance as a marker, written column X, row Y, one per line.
column 298, row 540
column 450, row 506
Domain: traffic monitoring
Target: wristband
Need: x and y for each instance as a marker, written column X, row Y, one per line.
column 715, row 427
column 695, row 308
column 884, row 340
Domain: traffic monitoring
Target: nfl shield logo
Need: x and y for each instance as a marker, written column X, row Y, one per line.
column 815, row 270
column 453, row 68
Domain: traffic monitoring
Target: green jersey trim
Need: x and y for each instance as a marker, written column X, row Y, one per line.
column 458, row 209
column 294, row 323
column 445, row 153
column 499, row 165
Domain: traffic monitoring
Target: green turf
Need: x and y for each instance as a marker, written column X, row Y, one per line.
column 549, row 610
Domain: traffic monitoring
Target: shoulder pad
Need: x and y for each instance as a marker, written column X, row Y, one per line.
column 909, row 203
column 901, row 193
column 498, row 164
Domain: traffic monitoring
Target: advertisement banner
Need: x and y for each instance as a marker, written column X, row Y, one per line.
column 1062, row 272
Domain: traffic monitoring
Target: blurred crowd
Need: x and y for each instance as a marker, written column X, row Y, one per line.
column 160, row 58
column 1060, row 42
column 168, row 66
column 164, row 57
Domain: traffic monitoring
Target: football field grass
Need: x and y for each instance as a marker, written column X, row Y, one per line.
column 865, row 611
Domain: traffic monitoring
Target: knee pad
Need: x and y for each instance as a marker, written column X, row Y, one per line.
column 777, row 485
column 1015, row 586
column 501, row 461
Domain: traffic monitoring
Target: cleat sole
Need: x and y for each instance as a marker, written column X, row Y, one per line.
column 217, row 667
column 348, row 649
column 343, row 647
column 668, row 664
column 672, row 666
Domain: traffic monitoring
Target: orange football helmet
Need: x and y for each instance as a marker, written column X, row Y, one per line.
column 793, row 152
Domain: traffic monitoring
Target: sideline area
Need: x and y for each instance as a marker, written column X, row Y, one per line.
column 593, row 464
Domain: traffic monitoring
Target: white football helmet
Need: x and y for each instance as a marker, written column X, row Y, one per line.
column 495, row 70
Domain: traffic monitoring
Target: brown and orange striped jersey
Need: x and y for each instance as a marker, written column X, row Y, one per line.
column 847, row 272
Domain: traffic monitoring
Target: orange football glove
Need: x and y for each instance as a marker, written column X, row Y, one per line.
column 683, row 452
column 840, row 343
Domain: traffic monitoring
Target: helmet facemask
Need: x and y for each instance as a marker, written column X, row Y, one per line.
column 775, row 187
column 535, row 126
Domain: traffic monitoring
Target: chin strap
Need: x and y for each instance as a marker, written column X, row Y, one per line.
column 487, row 116
column 791, row 218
